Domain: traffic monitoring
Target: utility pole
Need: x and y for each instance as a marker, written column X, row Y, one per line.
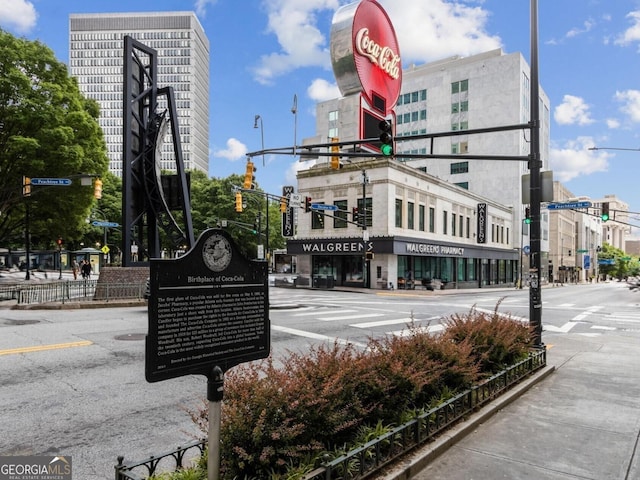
column 535, row 164
column 365, row 233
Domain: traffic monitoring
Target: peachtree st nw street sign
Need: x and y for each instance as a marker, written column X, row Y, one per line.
column 566, row 205
column 51, row 181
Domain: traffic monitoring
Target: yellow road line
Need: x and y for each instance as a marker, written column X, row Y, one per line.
column 42, row 348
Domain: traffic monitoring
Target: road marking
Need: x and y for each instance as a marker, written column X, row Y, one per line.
column 563, row 329
column 321, row 311
column 42, row 348
column 382, row 323
column 315, row 336
column 407, row 332
column 602, row 327
column 351, row 317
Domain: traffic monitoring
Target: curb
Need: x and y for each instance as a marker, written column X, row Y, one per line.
column 414, row 462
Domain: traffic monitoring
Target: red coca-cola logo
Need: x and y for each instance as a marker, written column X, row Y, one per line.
column 376, row 53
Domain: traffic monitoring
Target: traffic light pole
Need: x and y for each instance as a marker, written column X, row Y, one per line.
column 535, row 164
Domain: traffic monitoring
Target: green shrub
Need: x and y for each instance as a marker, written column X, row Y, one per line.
column 278, row 422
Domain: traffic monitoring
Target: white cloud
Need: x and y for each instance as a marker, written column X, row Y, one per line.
column 575, row 159
column 18, row 15
column 294, row 22
column 632, row 34
column 613, row 123
column 572, row 111
column 587, row 26
column 426, row 31
column 235, row 150
column 631, row 103
column 321, row 90
column 201, row 7
column 437, row 29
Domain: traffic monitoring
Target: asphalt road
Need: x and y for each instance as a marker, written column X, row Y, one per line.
column 72, row 381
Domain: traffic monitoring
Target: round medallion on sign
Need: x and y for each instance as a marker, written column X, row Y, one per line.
column 216, row 253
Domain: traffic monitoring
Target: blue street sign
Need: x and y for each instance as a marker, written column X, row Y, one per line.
column 587, row 262
column 322, row 206
column 51, row 181
column 607, row 261
column 560, row 206
column 97, row 223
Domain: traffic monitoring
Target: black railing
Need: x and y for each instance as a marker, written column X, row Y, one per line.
column 370, row 457
column 170, row 461
column 367, row 459
column 71, row 291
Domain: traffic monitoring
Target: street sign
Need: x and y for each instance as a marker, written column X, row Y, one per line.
column 105, row 249
column 582, row 250
column 295, row 200
column 607, row 261
column 566, row 205
column 322, row 206
column 51, row 181
column 526, row 249
column 97, row 223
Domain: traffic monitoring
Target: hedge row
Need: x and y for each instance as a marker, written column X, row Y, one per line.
column 279, row 420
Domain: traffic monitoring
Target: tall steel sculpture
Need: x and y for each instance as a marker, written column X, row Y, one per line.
column 145, row 207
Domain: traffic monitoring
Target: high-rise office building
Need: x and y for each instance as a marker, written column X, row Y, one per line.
column 96, row 60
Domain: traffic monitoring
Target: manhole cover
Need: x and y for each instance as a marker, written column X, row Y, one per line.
column 21, row 322
column 131, row 336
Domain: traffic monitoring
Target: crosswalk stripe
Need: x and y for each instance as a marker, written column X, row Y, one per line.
column 315, row 336
column 320, row 312
column 351, row 317
column 381, row 323
column 407, row 332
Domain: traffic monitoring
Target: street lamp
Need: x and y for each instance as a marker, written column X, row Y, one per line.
column 255, row 125
column 615, row 148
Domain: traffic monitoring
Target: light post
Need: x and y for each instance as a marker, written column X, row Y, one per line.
column 255, row 125
column 365, row 234
column 294, row 110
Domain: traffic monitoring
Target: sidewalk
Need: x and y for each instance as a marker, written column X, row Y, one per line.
column 580, row 419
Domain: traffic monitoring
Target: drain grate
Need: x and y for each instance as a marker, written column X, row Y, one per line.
column 131, row 336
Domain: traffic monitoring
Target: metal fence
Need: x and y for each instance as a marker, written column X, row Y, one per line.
column 369, row 458
column 71, row 291
column 173, row 460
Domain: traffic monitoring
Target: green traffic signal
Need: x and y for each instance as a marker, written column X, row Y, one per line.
column 386, row 138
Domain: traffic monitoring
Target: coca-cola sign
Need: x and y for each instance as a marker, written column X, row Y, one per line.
column 365, row 53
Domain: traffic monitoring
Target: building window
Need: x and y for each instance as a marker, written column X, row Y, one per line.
column 468, row 227
column 423, row 95
column 340, row 215
column 432, row 220
column 464, row 185
column 398, row 213
column 445, row 221
column 459, row 167
column 410, row 215
column 461, row 229
column 421, row 218
column 461, row 86
column 453, row 224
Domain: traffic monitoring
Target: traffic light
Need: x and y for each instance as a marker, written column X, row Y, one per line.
column 335, row 158
column 283, row 204
column 248, row 176
column 238, row 202
column 356, row 216
column 604, row 214
column 307, row 204
column 26, row 186
column 59, row 242
column 527, row 215
column 386, row 137
column 97, row 189
column 369, row 256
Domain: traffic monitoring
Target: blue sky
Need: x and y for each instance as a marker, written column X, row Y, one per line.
column 265, row 52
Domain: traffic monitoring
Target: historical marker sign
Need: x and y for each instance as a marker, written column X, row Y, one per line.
column 207, row 308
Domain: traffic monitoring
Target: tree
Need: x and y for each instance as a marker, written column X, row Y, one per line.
column 47, row 129
column 213, row 200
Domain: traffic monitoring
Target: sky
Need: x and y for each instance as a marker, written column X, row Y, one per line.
column 267, row 53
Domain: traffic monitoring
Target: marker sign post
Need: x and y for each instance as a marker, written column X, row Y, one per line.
column 567, row 205
column 208, row 311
